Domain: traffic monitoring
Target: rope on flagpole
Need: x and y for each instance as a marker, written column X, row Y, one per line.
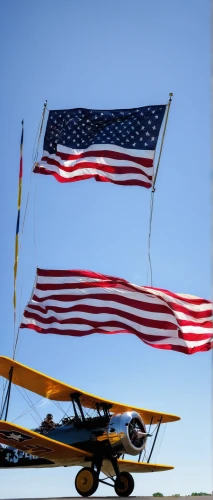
column 153, row 188
column 34, row 159
column 149, row 238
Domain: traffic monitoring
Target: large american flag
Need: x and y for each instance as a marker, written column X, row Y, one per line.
column 110, row 145
column 80, row 303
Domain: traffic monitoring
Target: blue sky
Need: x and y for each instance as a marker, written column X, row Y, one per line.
column 109, row 55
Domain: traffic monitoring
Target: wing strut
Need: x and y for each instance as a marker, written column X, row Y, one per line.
column 7, row 397
column 76, row 400
column 139, row 458
column 156, row 435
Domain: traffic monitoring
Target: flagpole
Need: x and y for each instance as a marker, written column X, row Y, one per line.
column 42, row 120
column 153, row 187
column 162, row 141
column 35, row 157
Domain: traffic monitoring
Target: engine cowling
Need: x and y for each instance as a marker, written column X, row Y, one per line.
column 125, row 433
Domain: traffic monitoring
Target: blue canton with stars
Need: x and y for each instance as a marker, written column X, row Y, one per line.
column 79, row 128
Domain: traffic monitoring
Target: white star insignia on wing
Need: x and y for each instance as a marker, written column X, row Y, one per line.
column 15, row 437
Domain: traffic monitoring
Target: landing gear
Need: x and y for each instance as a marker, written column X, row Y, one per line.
column 124, row 484
column 86, row 482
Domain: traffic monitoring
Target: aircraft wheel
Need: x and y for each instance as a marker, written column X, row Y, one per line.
column 86, row 482
column 124, row 485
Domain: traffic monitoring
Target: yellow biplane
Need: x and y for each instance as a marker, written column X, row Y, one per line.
column 97, row 443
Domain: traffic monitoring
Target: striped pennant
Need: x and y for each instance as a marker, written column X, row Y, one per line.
column 18, row 215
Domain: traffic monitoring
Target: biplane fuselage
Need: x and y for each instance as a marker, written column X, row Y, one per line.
column 97, row 443
column 80, row 434
column 83, row 435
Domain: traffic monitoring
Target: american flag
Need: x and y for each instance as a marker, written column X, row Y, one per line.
column 81, row 303
column 112, row 146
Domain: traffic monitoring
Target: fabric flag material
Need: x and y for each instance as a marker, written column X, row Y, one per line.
column 18, row 215
column 81, row 303
column 110, row 145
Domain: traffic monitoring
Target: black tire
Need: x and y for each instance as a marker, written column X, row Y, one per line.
column 86, row 482
column 124, row 485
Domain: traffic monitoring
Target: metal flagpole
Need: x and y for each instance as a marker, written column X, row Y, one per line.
column 153, row 186
column 39, row 134
column 162, row 141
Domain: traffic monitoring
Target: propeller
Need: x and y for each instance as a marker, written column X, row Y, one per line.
column 136, row 432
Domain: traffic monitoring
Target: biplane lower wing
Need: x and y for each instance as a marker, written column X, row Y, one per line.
column 51, row 453
column 133, row 467
column 37, row 445
column 55, row 390
column 57, row 454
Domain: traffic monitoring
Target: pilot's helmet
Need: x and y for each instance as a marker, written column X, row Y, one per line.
column 49, row 416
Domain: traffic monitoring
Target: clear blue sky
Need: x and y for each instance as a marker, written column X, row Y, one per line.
column 111, row 54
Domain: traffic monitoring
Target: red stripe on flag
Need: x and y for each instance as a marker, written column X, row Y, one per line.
column 82, row 302
column 99, row 167
column 99, row 178
column 114, row 155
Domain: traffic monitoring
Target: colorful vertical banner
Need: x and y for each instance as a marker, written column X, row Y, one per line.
column 18, row 215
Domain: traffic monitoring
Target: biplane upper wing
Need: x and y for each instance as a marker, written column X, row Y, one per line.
column 32, row 443
column 51, row 388
column 131, row 466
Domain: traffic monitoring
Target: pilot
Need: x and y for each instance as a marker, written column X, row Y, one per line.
column 47, row 424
